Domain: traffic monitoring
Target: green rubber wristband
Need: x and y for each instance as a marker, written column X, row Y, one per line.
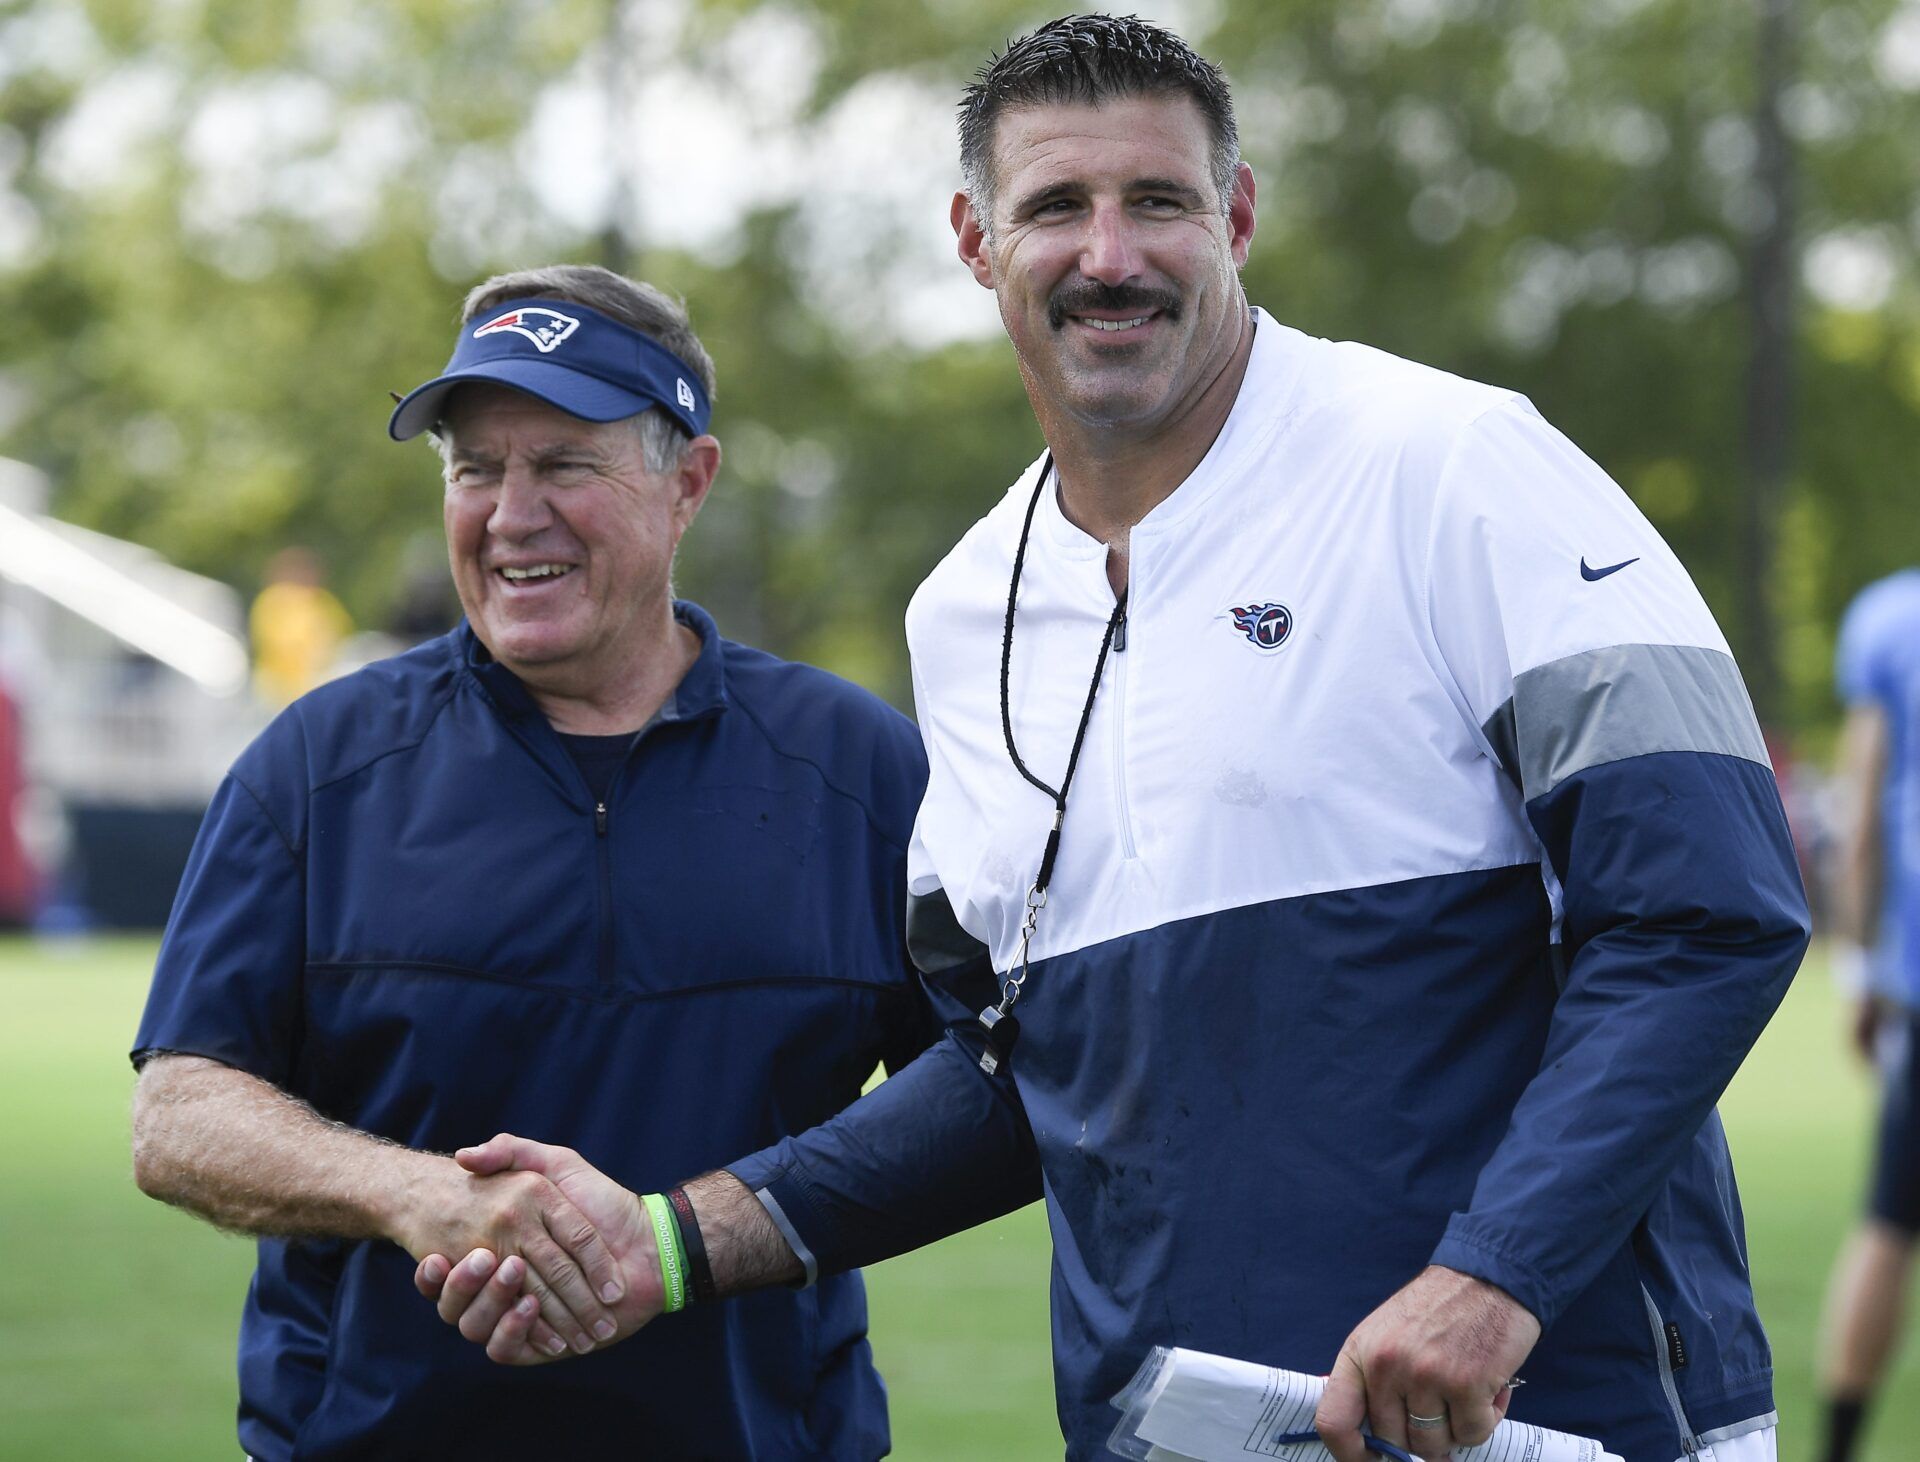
column 673, row 1264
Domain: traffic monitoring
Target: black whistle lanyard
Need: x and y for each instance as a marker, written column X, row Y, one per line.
column 998, row 1021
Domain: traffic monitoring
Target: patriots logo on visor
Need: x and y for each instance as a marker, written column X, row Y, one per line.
column 1267, row 625
column 545, row 328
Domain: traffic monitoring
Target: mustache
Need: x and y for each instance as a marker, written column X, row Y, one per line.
column 1077, row 297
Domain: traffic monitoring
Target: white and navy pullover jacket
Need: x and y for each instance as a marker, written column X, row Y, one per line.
column 1423, row 883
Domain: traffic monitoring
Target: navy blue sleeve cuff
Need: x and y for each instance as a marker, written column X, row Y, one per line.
column 766, row 1178
column 935, row 1149
column 1460, row 1248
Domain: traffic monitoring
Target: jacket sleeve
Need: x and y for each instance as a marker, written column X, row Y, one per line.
column 1867, row 675
column 1596, row 679
column 1863, row 672
column 227, row 984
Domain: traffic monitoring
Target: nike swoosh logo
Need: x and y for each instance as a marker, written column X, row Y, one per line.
column 1592, row 574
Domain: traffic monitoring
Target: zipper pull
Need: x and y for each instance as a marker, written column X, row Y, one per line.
column 600, row 819
column 1120, row 634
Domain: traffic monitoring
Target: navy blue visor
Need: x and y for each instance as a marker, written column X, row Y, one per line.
column 569, row 356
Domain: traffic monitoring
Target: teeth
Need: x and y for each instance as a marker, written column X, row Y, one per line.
column 1115, row 324
column 537, row 571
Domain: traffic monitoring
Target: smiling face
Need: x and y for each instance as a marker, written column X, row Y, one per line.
column 1114, row 264
column 560, row 538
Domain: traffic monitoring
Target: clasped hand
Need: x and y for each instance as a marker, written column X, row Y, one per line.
column 502, row 1297
column 1443, row 1347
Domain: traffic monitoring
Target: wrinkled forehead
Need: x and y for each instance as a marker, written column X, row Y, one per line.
column 1156, row 134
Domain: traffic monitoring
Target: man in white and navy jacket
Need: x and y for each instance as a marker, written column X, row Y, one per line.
column 1411, row 875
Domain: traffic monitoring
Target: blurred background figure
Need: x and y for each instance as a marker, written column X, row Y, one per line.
column 426, row 605
column 1877, row 921
column 18, row 879
column 297, row 627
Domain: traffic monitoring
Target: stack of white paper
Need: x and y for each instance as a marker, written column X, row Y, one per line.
column 1188, row 1406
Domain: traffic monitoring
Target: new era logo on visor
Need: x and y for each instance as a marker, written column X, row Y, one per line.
column 545, row 328
column 683, row 392
column 1268, row 626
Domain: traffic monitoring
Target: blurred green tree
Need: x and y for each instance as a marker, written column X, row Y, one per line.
column 227, row 229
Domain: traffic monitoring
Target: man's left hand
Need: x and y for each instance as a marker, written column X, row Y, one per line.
column 1443, row 1347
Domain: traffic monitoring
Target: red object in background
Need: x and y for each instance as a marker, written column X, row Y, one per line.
column 1811, row 838
column 18, row 881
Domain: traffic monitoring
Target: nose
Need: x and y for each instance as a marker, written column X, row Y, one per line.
column 520, row 507
column 1110, row 251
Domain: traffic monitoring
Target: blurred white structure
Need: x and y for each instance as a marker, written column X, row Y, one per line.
column 131, row 674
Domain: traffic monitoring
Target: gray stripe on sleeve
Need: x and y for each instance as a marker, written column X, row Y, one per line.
column 791, row 1235
column 1607, row 705
column 934, row 936
column 1738, row 1429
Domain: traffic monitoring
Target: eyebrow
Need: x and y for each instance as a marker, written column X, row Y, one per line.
column 542, row 456
column 1046, row 195
column 1072, row 188
column 1170, row 186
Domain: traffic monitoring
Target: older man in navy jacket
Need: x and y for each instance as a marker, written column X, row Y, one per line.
column 578, row 868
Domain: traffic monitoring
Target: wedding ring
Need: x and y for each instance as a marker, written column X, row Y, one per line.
column 1426, row 1422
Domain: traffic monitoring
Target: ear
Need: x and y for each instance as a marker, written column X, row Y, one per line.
column 692, row 480
column 970, row 236
column 1240, row 215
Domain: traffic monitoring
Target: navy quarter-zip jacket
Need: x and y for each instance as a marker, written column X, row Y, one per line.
column 406, row 908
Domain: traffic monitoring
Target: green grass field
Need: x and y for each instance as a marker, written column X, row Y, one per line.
column 117, row 1315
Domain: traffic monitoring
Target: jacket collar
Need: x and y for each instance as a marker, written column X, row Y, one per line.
column 702, row 690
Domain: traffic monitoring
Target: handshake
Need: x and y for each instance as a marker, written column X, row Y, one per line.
column 566, row 1260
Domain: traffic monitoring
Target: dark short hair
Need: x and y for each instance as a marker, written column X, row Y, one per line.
column 1088, row 60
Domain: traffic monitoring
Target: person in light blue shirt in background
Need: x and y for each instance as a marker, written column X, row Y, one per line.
column 1878, row 916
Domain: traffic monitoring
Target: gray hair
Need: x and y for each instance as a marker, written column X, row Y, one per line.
column 653, row 312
